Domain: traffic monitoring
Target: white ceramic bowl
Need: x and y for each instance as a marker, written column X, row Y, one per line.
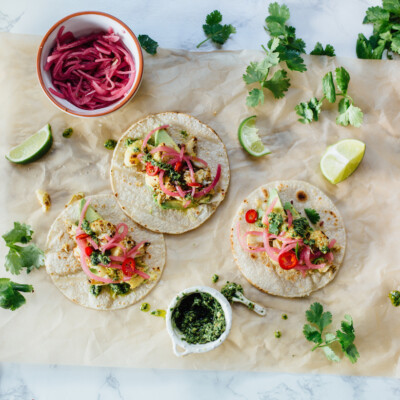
column 176, row 335
column 81, row 24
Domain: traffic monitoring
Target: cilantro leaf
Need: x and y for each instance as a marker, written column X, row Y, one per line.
column 10, row 296
column 255, row 97
column 312, row 334
column 215, row 31
column 214, row 18
column 278, row 84
column 258, row 71
column 309, row 111
column 278, row 13
column 328, row 87
column 393, row 6
column 316, row 316
column 20, row 257
column 395, row 46
column 320, row 51
column 292, row 59
column 21, row 233
column 312, row 215
column 374, row 14
column 342, row 79
column 351, row 115
column 346, row 338
column 148, row 44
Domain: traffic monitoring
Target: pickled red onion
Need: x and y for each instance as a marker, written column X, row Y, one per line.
column 213, row 184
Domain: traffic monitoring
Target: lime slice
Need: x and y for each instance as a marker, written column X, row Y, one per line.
column 249, row 138
column 32, row 148
column 342, row 159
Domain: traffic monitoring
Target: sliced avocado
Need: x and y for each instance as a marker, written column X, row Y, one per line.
column 273, row 194
column 162, row 136
column 91, row 215
column 178, row 205
column 294, row 212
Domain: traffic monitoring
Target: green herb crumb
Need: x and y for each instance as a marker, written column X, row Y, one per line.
column 278, row 334
column 110, row 144
column 68, row 132
column 145, row 307
column 215, row 278
column 284, row 316
column 394, row 297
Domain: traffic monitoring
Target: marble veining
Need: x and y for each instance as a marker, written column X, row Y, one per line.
column 177, row 24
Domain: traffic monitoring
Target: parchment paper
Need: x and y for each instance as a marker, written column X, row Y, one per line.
column 51, row 329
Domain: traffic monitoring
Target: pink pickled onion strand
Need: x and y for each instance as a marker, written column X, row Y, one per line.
column 329, row 257
column 83, row 213
column 146, row 139
column 309, row 265
column 181, row 153
column 289, row 218
column 166, row 149
column 243, row 244
column 287, row 248
column 197, row 159
column 117, row 258
column 269, row 209
column 271, row 251
column 163, row 188
column 92, row 243
column 254, row 233
column 332, row 243
column 192, row 176
column 180, row 191
column 138, row 272
column 203, row 192
column 132, row 252
column 187, row 204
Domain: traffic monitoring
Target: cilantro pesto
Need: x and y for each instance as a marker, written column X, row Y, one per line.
column 200, row 318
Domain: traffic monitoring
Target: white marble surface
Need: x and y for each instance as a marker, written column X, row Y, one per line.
column 177, row 24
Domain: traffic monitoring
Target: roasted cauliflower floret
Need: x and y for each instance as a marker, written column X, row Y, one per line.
column 102, row 227
column 321, row 240
column 203, row 175
column 191, row 146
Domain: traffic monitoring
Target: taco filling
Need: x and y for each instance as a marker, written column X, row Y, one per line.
column 177, row 178
column 109, row 257
column 290, row 240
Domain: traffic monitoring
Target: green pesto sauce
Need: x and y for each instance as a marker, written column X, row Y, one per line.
column 145, row 307
column 159, row 313
column 200, row 318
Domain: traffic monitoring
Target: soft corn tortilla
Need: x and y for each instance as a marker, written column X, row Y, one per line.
column 136, row 198
column 66, row 271
column 257, row 267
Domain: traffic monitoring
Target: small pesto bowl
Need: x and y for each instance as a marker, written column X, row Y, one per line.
column 176, row 335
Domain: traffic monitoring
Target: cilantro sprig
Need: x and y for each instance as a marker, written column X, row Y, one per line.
column 314, row 332
column 10, row 296
column 20, row 257
column 348, row 112
column 386, row 31
column 283, row 46
column 148, row 44
column 312, row 215
column 215, row 31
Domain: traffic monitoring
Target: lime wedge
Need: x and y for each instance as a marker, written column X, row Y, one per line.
column 342, row 159
column 249, row 138
column 32, row 148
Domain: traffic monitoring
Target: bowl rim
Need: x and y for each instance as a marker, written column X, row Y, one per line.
column 198, row 348
column 139, row 70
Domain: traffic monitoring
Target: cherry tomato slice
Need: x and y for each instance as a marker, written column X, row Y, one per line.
column 128, row 267
column 251, row 216
column 178, row 166
column 82, row 236
column 287, row 260
column 88, row 251
column 151, row 169
column 194, row 184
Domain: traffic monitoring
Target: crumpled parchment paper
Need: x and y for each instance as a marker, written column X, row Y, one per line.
column 51, row 329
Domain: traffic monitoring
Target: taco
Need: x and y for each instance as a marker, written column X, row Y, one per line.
column 288, row 238
column 170, row 172
column 101, row 259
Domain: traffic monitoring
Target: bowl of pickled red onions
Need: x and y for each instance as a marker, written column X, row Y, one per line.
column 90, row 64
